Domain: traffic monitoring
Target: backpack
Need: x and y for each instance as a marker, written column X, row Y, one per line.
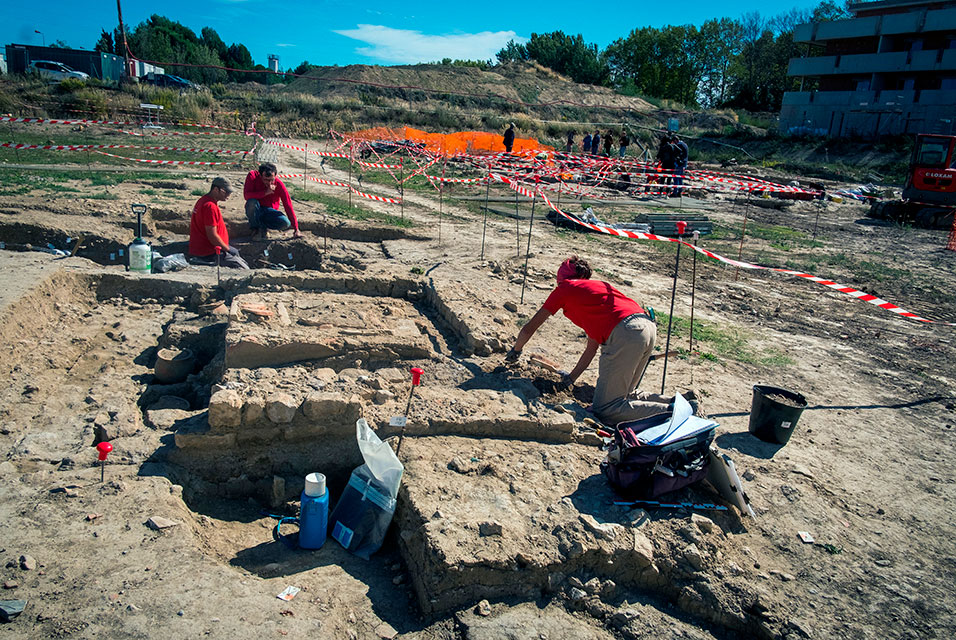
column 648, row 458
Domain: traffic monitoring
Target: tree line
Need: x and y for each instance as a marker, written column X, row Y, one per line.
column 167, row 41
column 724, row 62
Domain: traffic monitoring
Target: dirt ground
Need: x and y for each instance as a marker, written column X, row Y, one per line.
column 868, row 472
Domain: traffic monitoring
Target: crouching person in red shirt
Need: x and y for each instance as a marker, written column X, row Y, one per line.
column 207, row 230
column 263, row 192
column 617, row 325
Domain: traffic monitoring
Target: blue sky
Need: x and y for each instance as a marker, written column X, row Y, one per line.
column 327, row 32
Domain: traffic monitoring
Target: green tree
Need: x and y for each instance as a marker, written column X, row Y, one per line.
column 512, row 52
column 664, row 63
column 569, row 55
column 720, row 43
column 105, row 43
column 212, row 40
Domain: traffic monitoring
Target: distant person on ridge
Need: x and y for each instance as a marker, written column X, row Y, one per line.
column 263, row 191
column 570, row 143
column 207, row 230
column 509, row 137
column 586, row 144
column 608, row 143
column 624, row 142
column 596, row 143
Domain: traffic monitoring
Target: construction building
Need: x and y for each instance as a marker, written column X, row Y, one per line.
column 890, row 69
column 96, row 64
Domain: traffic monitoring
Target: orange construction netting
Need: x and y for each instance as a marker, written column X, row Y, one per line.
column 452, row 143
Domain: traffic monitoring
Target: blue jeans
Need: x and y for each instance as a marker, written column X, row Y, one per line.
column 264, row 218
column 679, row 178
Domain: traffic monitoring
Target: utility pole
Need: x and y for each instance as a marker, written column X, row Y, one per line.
column 119, row 10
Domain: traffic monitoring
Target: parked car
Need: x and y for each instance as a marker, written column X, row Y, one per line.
column 168, row 81
column 55, row 70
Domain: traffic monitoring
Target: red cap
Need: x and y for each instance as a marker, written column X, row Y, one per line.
column 681, row 227
column 218, row 250
column 104, row 448
column 417, row 376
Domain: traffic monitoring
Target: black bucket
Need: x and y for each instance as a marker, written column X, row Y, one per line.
column 774, row 420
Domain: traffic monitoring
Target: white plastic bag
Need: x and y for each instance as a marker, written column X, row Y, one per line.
column 379, row 458
column 363, row 513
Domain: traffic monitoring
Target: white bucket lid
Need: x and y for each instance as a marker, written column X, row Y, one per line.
column 315, row 485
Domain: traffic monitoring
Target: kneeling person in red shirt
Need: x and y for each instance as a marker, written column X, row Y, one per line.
column 263, row 192
column 614, row 323
column 207, row 230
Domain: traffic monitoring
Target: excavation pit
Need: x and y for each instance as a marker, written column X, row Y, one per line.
column 298, row 370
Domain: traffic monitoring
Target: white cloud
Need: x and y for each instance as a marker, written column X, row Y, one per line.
column 284, row 44
column 403, row 46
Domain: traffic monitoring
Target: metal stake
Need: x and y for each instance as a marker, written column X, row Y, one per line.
column 517, row 231
column 441, row 197
column 401, row 184
column 670, row 319
column 351, row 155
column 743, row 232
column 693, row 290
column 524, row 281
column 305, row 176
column 484, row 222
column 15, row 149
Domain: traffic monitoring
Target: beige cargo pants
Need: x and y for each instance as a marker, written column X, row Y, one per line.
column 621, row 366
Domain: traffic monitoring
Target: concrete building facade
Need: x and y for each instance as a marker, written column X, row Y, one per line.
column 889, row 70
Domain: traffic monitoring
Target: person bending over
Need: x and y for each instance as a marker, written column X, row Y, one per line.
column 207, row 230
column 615, row 324
column 263, row 191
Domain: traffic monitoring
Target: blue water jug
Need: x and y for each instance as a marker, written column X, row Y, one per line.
column 313, row 512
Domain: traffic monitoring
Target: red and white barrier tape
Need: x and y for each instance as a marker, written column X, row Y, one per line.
column 850, row 291
column 333, row 183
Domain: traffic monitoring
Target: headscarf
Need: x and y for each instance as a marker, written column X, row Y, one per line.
column 566, row 271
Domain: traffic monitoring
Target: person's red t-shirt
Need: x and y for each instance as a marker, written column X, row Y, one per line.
column 595, row 306
column 206, row 213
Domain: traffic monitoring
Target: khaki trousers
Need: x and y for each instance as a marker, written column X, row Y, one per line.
column 621, row 366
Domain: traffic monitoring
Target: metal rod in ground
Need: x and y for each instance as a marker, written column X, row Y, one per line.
column 517, row 230
column 743, row 232
column 815, row 222
column 89, row 163
column 441, row 197
column 102, row 470
column 401, row 184
column 13, row 138
column 218, row 274
column 670, row 319
column 527, row 255
column 326, row 244
column 693, row 291
column 305, row 175
column 351, row 155
column 484, row 221
column 408, row 406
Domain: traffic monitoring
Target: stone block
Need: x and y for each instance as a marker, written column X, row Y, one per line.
column 225, row 409
column 281, row 408
column 643, row 550
column 331, row 407
column 254, row 410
